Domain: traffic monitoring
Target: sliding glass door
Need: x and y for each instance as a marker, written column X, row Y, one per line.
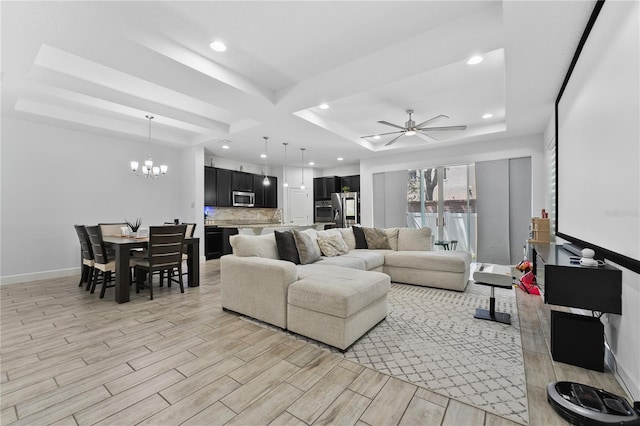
column 443, row 198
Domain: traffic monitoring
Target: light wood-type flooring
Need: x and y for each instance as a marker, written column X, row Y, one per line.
column 70, row 358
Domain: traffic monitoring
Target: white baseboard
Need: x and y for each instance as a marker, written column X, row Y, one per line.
column 33, row 276
column 625, row 381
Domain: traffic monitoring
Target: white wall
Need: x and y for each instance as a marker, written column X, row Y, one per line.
column 525, row 146
column 346, row 170
column 53, row 178
column 192, row 196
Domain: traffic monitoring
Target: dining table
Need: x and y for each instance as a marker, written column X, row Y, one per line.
column 122, row 247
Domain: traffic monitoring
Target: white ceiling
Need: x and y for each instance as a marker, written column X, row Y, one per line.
column 102, row 66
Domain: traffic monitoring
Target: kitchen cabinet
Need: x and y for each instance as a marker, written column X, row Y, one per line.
column 219, row 185
column 223, row 187
column 353, row 182
column 216, row 242
column 323, row 187
column 210, row 186
column 213, row 242
column 271, row 193
column 242, row 181
column 265, row 196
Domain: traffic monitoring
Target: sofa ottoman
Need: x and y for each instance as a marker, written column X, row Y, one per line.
column 340, row 309
column 446, row 269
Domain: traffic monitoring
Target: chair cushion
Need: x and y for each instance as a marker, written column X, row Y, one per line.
column 340, row 297
column 286, row 244
column 105, row 267
column 254, row 245
column 414, row 239
column 88, row 262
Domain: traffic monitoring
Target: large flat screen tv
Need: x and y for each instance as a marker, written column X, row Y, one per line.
column 598, row 138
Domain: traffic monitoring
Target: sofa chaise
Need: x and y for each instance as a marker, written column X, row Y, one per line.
column 333, row 299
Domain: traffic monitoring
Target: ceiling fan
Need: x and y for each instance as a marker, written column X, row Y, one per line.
column 410, row 128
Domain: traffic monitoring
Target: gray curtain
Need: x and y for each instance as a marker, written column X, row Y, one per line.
column 504, row 209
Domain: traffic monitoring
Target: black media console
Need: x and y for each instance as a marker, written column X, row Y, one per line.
column 577, row 339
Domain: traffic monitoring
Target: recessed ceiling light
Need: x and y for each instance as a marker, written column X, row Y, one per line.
column 340, row 158
column 475, row 60
column 376, row 137
column 218, row 46
column 225, row 146
column 323, row 106
column 311, row 163
column 487, row 115
column 263, row 155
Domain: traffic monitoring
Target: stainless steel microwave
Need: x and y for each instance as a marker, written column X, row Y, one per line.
column 243, row 199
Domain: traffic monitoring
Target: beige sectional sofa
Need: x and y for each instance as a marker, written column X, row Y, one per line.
column 336, row 299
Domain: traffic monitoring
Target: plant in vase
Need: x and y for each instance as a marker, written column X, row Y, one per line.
column 345, row 189
column 134, row 226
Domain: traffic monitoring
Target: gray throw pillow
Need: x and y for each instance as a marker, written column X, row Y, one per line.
column 287, row 249
column 376, row 238
column 308, row 250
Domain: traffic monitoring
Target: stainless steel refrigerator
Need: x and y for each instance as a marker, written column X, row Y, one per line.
column 346, row 209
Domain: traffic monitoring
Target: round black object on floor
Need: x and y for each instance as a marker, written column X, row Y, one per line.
column 585, row 405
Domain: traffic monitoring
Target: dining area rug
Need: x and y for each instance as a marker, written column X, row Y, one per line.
column 430, row 338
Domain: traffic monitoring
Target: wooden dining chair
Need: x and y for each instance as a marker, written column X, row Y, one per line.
column 164, row 254
column 191, row 228
column 87, row 266
column 104, row 265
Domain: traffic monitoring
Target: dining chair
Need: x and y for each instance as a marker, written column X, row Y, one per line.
column 164, row 254
column 104, row 267
column 86, row 270
column 191, row 228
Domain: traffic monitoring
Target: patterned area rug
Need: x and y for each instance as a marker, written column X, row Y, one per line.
column 431, row 339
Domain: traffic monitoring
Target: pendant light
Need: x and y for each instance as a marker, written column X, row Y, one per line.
column 302, row 181
column 148, row 170
column 284, row 171
column 265, row 181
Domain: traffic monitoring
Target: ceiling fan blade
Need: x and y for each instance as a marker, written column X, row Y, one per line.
column 394, row 139
column 381, row 134
column 392, row 125
column 437, row 129
column 432, row 119
column 426, row 137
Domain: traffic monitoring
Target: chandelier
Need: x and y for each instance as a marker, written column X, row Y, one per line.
column 148, row 169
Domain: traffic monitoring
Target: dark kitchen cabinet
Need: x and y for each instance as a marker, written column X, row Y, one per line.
column 271, row 193
column 258, row 190
column 210, row 186
column 216, row 242
column 223, row 187
column 323, row 187
column 265, row 196
column 213, row 243
column 353, row 182
column 242, row 181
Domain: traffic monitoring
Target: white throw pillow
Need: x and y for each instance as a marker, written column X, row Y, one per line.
column 348, row 237
column 414, row 239
column 392, row 237
column 254, row 245
column 332, row 245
